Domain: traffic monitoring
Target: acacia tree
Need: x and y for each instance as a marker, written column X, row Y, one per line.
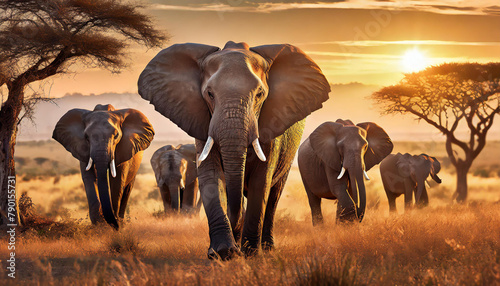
column 42, row 38
column 448, row 96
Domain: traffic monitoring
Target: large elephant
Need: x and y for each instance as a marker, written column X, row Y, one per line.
column 406, row 174
column 246, row 108
column 175, row 172
column 109, row 144
column 334, row 160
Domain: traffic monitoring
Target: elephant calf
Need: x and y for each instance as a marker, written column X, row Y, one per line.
column 334, row 160
column 406, row 174
column 109, row 144
column 175, row 171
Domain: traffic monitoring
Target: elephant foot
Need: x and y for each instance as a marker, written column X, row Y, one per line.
column 250, row 251
column 250, row 248
column 96, row 218
column 223, row 252
column 317, row 222
column 267, row 246
column 348, row 219
column 267, row 243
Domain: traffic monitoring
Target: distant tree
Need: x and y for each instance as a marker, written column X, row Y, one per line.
column 448, row 96
column 42, row 38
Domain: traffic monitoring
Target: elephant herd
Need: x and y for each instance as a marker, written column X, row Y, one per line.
column 246, row 109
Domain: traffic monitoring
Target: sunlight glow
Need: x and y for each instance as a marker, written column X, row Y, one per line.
column 413, row 60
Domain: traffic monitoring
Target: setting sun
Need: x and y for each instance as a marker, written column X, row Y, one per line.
column 413, row 60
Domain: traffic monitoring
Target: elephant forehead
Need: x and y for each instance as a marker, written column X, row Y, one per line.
column 235, row 60
column 171, row 158
column 102, row 121
column 353, row 134
column 102, row 117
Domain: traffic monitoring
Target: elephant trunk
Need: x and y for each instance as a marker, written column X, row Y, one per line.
column 102, row 169
column 175, row 197
column 359, row 191
column 233, row 141
column 436, row 178
column 356, row 181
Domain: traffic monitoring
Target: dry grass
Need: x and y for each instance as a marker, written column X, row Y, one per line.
column 451, row 245
column 443, row 244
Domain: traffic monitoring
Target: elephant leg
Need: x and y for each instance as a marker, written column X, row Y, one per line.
column 189, row 199
column 392, row 201
column 424, row 199
column 268, row 227
column 315, row 205
column 175, row 197
column 165, row 197
column 222, row 243
column 258, row 193
column 89, row 182
column 197, row 196
column 124, row 201
column 346, row 210
column 410, row 188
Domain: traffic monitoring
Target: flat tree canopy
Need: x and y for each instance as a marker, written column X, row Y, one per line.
column 37, row 36
column 446, row 96
column 42, row 38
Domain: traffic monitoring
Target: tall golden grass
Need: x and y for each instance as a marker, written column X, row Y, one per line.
column 443, row 244
column 449, row 245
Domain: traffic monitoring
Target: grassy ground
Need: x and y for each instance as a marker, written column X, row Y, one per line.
column 443, row 244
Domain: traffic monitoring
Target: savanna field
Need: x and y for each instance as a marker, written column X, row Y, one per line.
column 443, row 244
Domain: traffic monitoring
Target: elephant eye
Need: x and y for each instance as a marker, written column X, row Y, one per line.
column 260, row 94
column 210, row 94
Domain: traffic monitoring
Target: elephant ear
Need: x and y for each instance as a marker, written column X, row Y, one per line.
column 188, row 151
column 137, row 134
column 172, row 83
column 324, row 143
column 297, row 87
column 379, row 144
column 347, row 122
column 435, row 167
column 69, row 131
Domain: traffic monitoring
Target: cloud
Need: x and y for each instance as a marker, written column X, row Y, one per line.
column 397, row 43
column 493, row 10
column 447, row 7
column 352, row 55
column 482, row 7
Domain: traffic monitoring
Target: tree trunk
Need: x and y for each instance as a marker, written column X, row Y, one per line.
column 9, row 114
column 461, row 191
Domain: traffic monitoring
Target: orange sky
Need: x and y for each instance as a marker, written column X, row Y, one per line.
column 349, row 40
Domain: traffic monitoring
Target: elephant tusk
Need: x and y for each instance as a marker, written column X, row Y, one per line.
column 341, row 173
column 206, row 149
column 427, row 183
column 89, row 165
column 258, row 150
column 366, row 175
column 113, row 168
